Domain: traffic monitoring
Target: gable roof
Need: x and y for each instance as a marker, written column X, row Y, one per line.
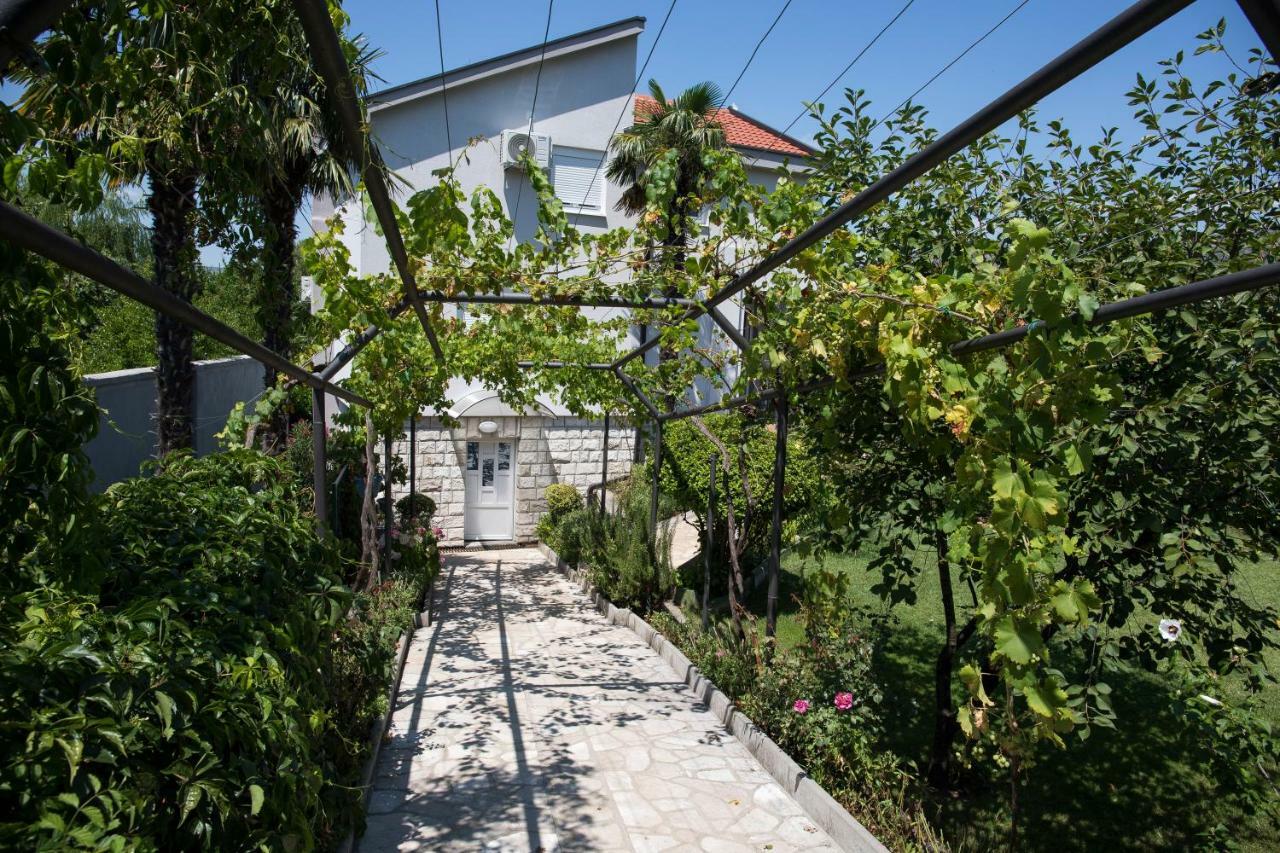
column 740, row 130
column 594, row 37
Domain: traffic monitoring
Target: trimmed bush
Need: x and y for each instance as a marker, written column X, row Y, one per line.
column 562, row 498
column 415, row 507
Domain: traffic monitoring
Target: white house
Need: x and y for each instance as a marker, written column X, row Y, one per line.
column 487, row 476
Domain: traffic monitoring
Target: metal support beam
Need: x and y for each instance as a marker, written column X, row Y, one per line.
column 775, row 529
column 567, row 301
column 711, row 539
column 1264, row 16
column 21, row 23
column 331, row 63
column 362, row 340
column 319, row 464
column 1124, row 28
column 653, row 510
column 561, row 364
column 726, row 326
column 604, row 468
column 31, row 234
column 638, row 394
column 1148, row 303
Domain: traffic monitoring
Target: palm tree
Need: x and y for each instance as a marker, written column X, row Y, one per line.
column 160, row 109
column 685, row 128
column 310, row 157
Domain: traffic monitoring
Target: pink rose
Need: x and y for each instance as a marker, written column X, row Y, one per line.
column 844, row 701
column 801, row 706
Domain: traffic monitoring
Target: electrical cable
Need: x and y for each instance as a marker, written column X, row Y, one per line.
column 533, row 108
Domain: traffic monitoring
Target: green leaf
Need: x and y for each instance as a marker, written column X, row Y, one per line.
column 1045, row 699
column 1017, row 640
column 255, row 799
column 1005, row 481
column 1078, row 457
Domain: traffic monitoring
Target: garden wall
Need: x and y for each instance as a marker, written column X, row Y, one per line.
column 126, row 429
column 548, row 450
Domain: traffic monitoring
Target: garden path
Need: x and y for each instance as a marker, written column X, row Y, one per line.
column 526, row 721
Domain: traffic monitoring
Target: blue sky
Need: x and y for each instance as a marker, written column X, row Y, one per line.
column 711, row 40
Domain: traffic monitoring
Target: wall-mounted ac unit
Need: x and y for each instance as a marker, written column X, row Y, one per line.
column 516, row 142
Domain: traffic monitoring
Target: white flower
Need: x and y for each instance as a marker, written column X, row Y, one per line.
column 1170, row 629
column 1209, row 700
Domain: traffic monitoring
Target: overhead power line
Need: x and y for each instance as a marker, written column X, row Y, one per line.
column 444, row 86
column 533, row 108
column 627, row 104
column 948, row 66
column 852, row 63
column 752, row 57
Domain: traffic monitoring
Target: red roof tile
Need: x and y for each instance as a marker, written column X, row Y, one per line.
column 740, row 130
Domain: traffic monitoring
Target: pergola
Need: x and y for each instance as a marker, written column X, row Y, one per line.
column 22, row 21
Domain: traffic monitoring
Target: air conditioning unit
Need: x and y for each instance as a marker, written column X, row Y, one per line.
column 515, row 143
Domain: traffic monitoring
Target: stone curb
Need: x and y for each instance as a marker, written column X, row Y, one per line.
column 821, row 807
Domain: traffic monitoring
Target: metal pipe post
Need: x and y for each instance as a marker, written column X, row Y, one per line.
column 775, row 532
column 711, row 540
column 604, row 468
column 386, row 501
column 413, row 469
column 653, row 506
column 1264, row 15
column 320, row 502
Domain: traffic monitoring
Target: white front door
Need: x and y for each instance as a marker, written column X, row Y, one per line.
column 488, row 477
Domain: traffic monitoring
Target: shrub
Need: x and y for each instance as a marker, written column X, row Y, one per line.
column 213, row 692
column 416, row 507
column 686, row 454
column 625, row 563
column 562, row 498
column 820, row 703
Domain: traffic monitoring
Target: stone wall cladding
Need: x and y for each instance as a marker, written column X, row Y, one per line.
column 549, row 450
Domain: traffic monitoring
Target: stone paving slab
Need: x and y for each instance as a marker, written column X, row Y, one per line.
column 527, row 722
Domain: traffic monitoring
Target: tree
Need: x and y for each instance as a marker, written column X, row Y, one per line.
column 303, row 139
column 671, row 141
column 1169, row 492
column 148, row 91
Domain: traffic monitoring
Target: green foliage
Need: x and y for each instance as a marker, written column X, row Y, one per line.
column 213, row 690
column 686, row 470
column 627, row 564
column 821, row 704
column 416, row 507
column 46, row 414
column 562, row 498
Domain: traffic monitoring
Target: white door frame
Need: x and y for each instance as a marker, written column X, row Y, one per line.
column 489, row 502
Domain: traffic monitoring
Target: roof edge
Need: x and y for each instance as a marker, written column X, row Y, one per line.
column 464, row 74
column 804, row 146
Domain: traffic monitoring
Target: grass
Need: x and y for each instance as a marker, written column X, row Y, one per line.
column 1142, row 786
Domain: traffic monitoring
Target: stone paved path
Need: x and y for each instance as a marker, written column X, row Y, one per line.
column 527, row 722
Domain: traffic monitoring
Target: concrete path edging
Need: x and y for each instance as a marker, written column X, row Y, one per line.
column 823, row 809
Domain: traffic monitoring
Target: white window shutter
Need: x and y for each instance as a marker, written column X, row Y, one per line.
column 578, row 177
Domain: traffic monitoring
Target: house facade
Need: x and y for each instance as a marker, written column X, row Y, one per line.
column 488, row 474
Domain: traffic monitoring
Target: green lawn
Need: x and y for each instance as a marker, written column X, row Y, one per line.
column 1141, row 786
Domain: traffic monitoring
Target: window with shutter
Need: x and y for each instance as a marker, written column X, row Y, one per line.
column 578, row 177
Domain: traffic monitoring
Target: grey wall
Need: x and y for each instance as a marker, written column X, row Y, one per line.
column 126, row 431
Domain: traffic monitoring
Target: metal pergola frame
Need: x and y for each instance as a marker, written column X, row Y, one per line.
column 21, row 21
